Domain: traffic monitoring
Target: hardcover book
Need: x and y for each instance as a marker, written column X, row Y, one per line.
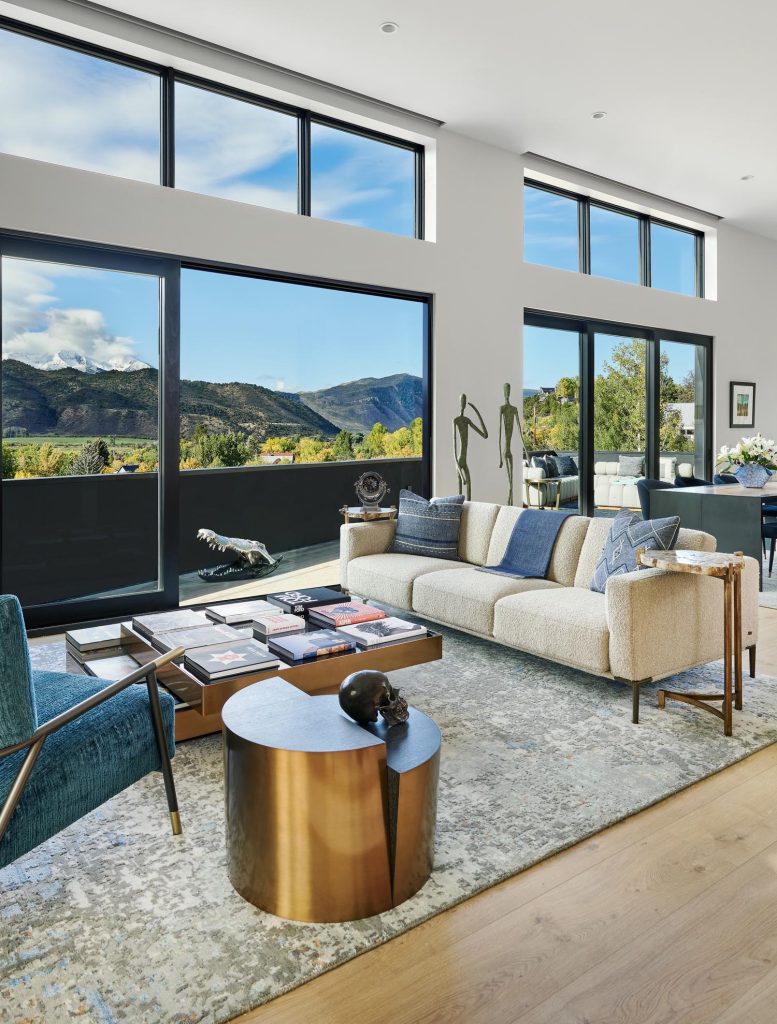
column 302, row 646
column 383, row 631
column 299, row 602
column 112, row 669
column 202, row 636
column 277, row 624
column 166, row 622
column 222, row 660
column 243, row 612
column 94, row 638
column 346, row 614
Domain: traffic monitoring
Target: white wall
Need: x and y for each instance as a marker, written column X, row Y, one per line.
column 473, row 269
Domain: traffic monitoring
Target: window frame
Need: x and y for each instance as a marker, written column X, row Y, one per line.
column 645, row 220
column 587, row 328
column 168, row 76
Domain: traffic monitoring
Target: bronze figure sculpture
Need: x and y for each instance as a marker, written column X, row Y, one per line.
column 461, row 425
column 509, row 417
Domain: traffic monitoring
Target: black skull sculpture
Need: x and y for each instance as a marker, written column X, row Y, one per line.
column 364, row 695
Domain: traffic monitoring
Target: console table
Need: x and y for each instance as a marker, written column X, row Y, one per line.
column 327, row 820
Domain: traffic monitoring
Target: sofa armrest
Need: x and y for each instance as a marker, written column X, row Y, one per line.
column 359, row 539
column 665, row 622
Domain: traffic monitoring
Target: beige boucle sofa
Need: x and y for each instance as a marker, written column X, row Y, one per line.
column 648, row 625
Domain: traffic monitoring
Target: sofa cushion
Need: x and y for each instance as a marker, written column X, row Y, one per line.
column 477, row 525
column 566, row 552
column 629, row 532
column 428, row 527
column 566, row 465
column 631, row 465
column 565, row 624
column 466, row 597
column 593, row 545
column 389, row 578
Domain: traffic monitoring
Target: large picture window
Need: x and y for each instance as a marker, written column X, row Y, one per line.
column 279, row 373
column 572, row 232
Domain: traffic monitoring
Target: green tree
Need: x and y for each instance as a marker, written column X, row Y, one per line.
column 342, row 449
column 9, row 462
column 372, row 445
column 90, row 459
column 567, row 387
column 229, row 449
column 417, row 430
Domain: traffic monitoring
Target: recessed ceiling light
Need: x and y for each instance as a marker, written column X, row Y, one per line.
column 599, row 114
column 388, row 27
column 747, row 177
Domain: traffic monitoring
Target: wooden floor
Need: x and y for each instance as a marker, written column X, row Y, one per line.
column 669, row 917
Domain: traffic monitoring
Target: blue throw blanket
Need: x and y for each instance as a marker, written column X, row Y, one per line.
column 531, row 544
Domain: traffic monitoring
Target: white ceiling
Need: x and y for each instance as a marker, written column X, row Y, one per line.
column 690, row 86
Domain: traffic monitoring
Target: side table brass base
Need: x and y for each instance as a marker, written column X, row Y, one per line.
column 699, row 700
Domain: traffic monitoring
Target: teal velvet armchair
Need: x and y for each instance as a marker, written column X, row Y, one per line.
column 70, row 742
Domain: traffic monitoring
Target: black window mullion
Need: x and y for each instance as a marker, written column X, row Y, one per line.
column 168, row 127
column 586, row 420
column 699, row 252
column 303, row 165
column 653, row 406
column 584, row 234
column 420, row 212
column 644, row 251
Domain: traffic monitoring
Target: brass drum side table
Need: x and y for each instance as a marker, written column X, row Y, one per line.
column 727, row 568
column 326, row 820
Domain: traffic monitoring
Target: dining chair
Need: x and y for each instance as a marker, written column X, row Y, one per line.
column 70, row 742
column 644, row 487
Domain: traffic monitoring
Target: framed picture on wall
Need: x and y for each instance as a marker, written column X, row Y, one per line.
column 742, row 404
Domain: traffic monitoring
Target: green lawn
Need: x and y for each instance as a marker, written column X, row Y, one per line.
column 63, row 441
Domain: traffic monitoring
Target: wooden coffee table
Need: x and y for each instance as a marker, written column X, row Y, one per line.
column 199, row 704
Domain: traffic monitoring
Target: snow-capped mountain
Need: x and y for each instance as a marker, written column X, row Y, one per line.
column 77, row 361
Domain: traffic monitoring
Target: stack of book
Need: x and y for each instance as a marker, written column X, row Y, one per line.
column 345, row 613
column 316, row 644
column 300, row 602
column 277, row 624
column 200, row 636
column 382, row 632
column 93, row 642
column 223, row 660
column 239, row 613
column 165, row 622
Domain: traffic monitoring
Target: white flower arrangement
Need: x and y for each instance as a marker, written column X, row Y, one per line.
column 750, row 451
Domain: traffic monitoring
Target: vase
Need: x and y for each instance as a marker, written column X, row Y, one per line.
column 752, row 475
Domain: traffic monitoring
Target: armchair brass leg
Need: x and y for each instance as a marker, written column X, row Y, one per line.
column 751, row 652
column 6, row 811
column 164, row 756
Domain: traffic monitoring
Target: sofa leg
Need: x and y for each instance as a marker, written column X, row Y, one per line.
column 635, row 702
column 751, row 652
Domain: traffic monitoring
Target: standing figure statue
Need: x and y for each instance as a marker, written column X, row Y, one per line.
column 461, row 425
column 508, row 417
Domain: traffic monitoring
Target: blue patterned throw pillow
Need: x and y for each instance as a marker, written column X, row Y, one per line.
column 428, row 528
column 566, row 465
column 628, row 532
column 539, row 463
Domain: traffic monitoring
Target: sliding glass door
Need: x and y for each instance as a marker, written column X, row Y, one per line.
column 632, row 402
column 85, row 461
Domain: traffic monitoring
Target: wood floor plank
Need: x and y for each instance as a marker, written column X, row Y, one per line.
column 488, row 969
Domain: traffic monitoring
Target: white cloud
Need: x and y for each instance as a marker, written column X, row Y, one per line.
column 34, row 327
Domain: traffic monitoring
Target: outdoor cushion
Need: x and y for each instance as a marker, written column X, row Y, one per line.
column 465, row 597
column 85, row 763
column 426, row 527
column 631, row 465
column 389, row 578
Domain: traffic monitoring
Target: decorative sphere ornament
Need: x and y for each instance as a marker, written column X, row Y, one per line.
column 365, row 695
column 371, row 489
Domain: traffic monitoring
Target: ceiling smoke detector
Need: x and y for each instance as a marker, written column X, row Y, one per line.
column 389, row 27
column 599, row 114
column 747, row 177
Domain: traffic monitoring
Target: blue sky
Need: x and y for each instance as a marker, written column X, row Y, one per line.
column 551, row 354
column 282, row 336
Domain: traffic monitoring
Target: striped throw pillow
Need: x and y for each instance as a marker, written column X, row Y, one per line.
column 428, row 528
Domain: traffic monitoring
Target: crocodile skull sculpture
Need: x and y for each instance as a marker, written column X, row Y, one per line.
column 252, row 559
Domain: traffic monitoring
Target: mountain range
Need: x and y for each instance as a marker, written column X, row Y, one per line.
column 394, row 401
column 86, row 364
column 110, row 402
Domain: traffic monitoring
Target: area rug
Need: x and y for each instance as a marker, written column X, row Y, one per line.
column 115, row 920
